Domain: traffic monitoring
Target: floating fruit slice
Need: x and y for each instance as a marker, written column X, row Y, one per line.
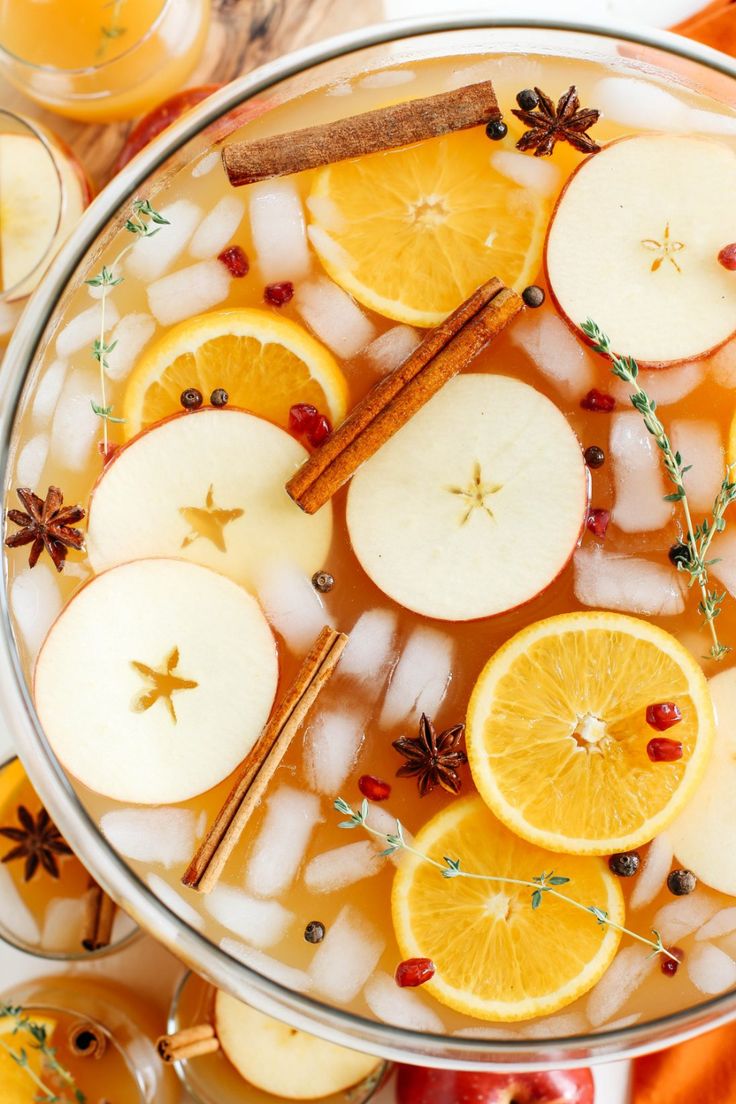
column 278, row 1059
column 450, row 517
column 634, row 245
column 496, row 957
column 18, row 1081
column 209, row 487
column 265, row 363
column 557, row 733
column 411, row 233
column 29, row 207
column 155, row 680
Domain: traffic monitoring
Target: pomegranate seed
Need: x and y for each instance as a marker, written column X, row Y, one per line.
column 727, row 257
column 302, row 416
column 662, row 750
column 598, row 401
column 669, row 968
column 235, row 261
column 319, row 431
column 413, row 972
column 663, row 715
column 597, row 522
column 375, row 789
column 278, row 294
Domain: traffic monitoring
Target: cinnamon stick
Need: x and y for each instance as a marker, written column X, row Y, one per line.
column 259, row 765
column 99, row 917
column 190, row 1042
column 87, row 1040
column 397, row 397
column 384, row 129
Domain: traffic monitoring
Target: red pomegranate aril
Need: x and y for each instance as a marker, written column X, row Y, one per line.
column 279, row 294
column 375, row 789
column 235, row 261
column 597, row 522
column 598, row 401
column 302, row 417
column 670, row 968
column 413, row 972
column 727, row 257
column 663, row 715
column 662, row 750
column 319, row 431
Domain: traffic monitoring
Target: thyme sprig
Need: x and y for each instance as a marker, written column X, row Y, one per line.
column 545, row 883
column 38, row 1040
column 144, row 221
column 698, row 538
column 112, row 30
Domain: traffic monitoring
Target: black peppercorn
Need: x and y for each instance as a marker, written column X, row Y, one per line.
column 594, row 456
column 322, row 581
column 191, row 399
column 625, row 864
column 496, row 130
column 527, row 99
column 314, row 931
column 679, row 554
column 219, row 397
column 681, row 882
column 533, row 295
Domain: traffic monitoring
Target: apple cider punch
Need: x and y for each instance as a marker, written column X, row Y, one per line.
column 370, row 551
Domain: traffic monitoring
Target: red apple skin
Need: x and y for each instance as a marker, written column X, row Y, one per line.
column 159, row 118
column 416, row 1085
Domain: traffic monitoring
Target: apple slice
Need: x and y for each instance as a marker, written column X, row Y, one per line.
column 155, row 680
column 30, row 207
column 209, row 487
column 634, row 243
column 704, row 835
column 282, row 1060
column 475, row 505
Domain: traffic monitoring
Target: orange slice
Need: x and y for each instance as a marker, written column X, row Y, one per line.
column 557, row 734
column 20, row 1084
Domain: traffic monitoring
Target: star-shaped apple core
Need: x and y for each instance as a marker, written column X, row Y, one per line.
column 208, row 521
column 164, row 684
column 475, row 494
column 665, row 249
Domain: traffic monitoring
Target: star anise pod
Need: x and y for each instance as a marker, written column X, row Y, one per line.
column 567, row 122
column 46, row 524
column 433, row 759
column 37, row 841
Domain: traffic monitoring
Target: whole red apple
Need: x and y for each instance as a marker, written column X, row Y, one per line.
column 159, row 118
column 432, row 1086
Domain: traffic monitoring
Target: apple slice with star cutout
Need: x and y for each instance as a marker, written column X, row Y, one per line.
column 155, row 680
column 207, row 486
column 634, row 243
column 476, row 504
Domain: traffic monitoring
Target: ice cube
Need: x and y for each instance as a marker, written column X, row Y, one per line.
column 279, row 848
column 540, row 176
column 150, row 257
column 700, row 445
column 622, row 1022
column 710, row 122
column 557, row 1027
column 613, row 580
column 653, row 873
column 638, row 475
column 343, row 866
column 188, row 291
column 63, row 924
column 629, row 969
column 723, row 923
column 334, row 316
column 84, row 329
column 371, row 646
column 724, row 551
column 217, row 228
column 76, row 426
column 638, row 103
column 490, row 1033
column 14, row 913
column 48, row 391
column 340, row 88
column 97, row 291
column 132, row 334
column 664, row 387
column 278, row 230
column 206, row 164
column 331, row 746
column 346, row 957
column 32, row 460
column 292, row 605
column 420, row 679
column 387, row 78
column 555, row 352
column 156, row 835
column 380, row 819
column 391, row 349
column 684, row 915
column 260, row 923
column 174, row 901
column 401, row 1007
column 270, row 967
column 35, row 602
column 722, row 365
column 710, row 969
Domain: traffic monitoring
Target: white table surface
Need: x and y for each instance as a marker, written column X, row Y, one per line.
column 145, row 966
